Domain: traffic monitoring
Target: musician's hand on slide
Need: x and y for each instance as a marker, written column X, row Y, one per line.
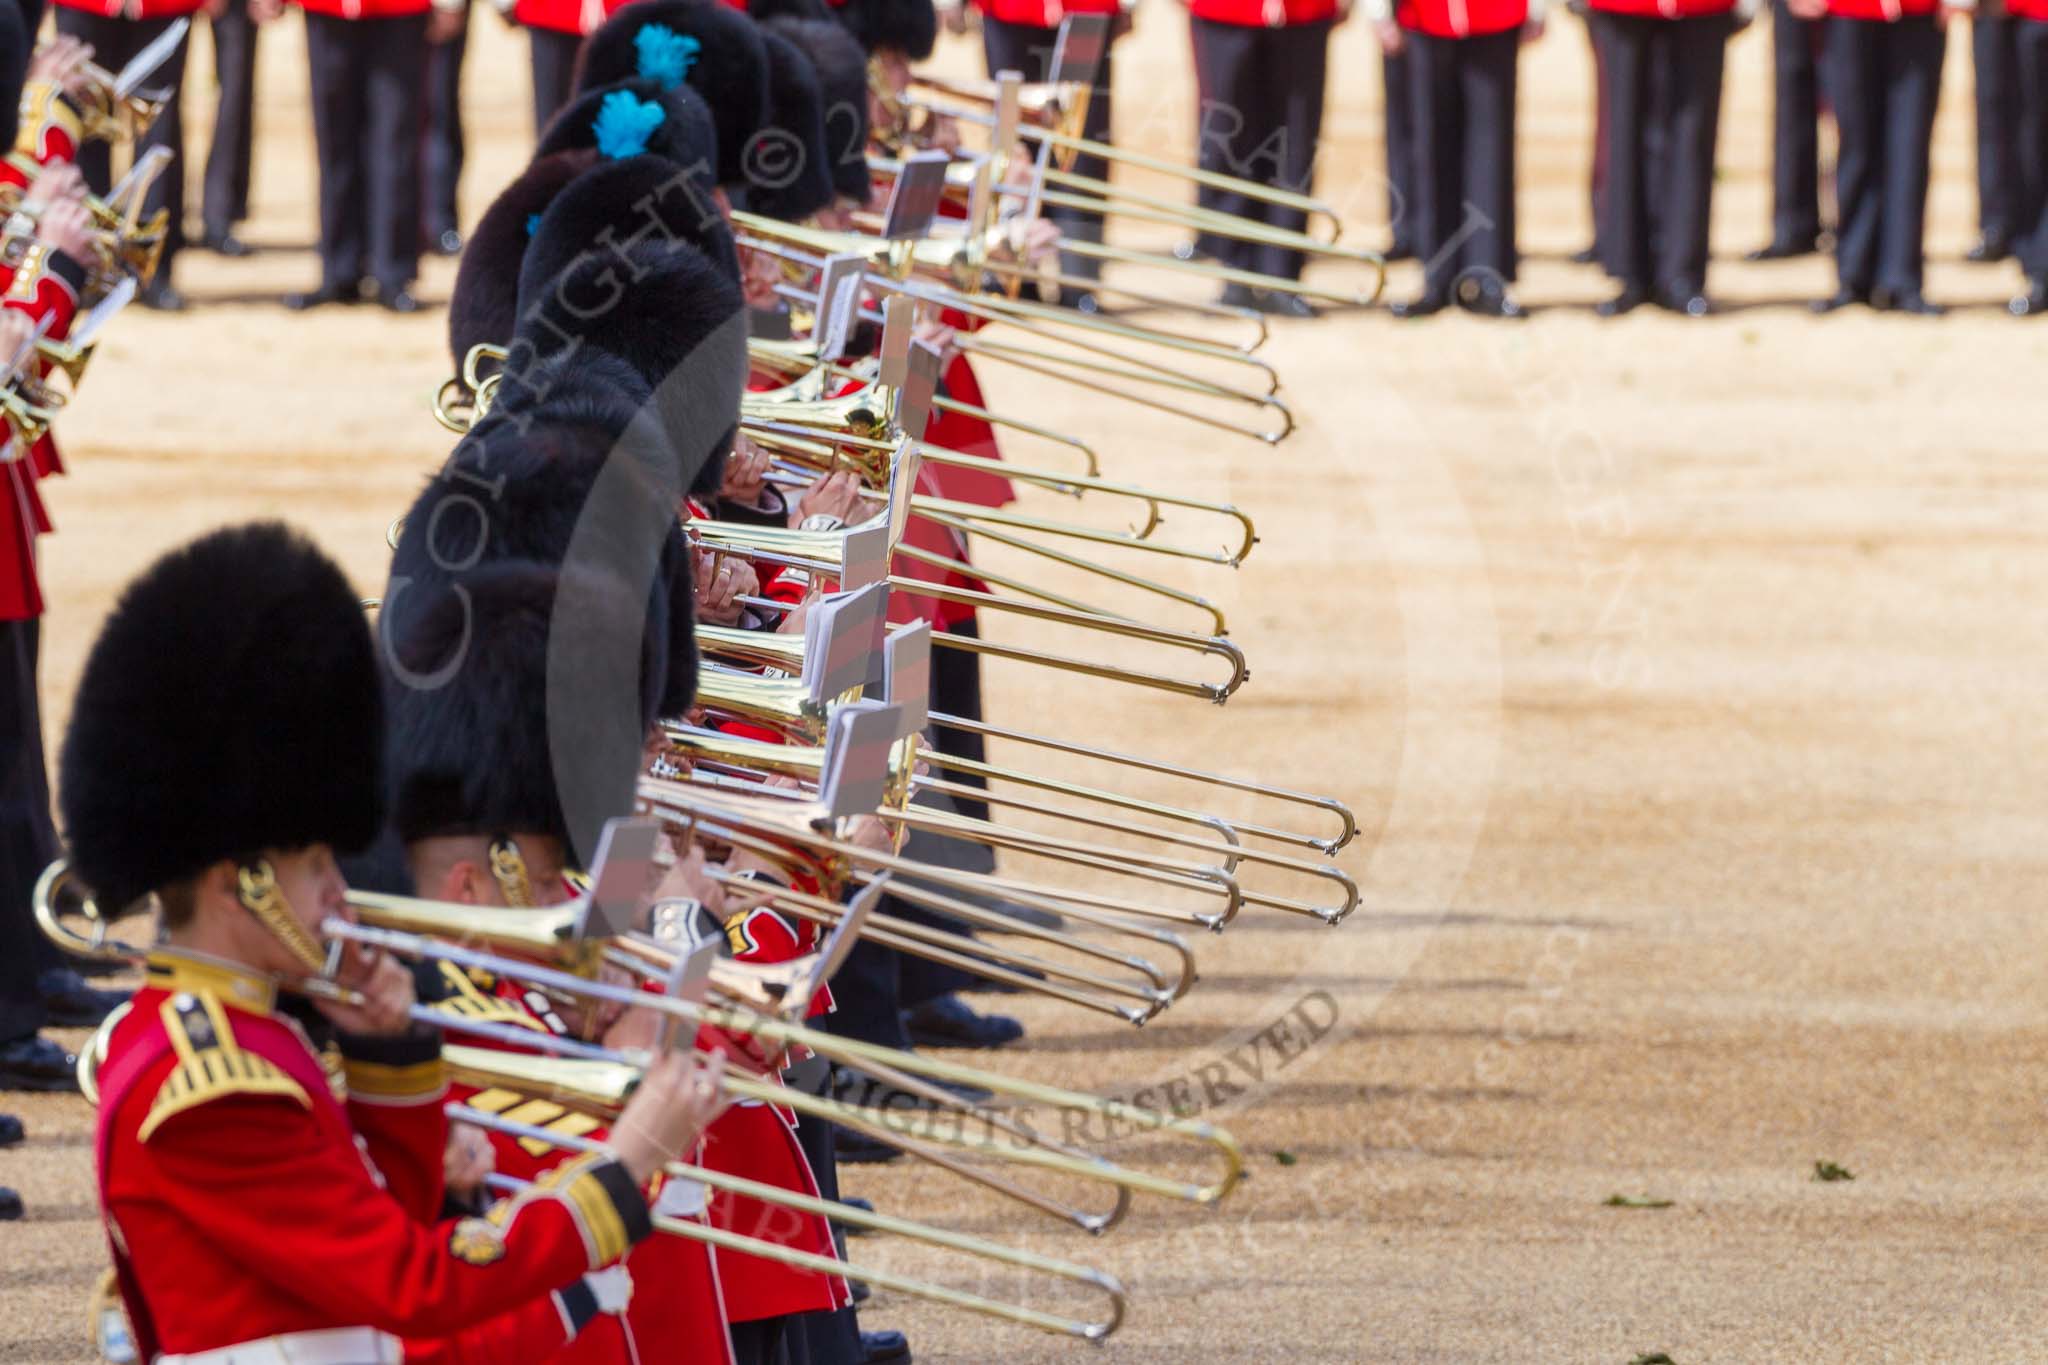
column 678, row 1098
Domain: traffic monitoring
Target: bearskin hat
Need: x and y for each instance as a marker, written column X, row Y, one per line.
column 842, row 71
column 909, row 26
column 576, row 470
column 616, row 203
column 637, row 117
column 520, row 693
column 789, row 166
column 17, row 44
column 715, row 48
column 229, row 705
column 484, row 306
column 675, row 318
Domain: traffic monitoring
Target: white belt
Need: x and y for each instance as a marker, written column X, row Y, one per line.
column 332, row 1346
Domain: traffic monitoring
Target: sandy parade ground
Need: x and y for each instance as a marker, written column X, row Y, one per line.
column 1682, row 674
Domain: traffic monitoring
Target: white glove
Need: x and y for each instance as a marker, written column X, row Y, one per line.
column 613, row 1288
column 679, row 1199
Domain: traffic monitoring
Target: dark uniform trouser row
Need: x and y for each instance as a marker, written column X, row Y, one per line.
column 441, row 153
column 226, row 201
column 369, row 76
column 1663, row 101
column 1462, row 98
column 1261, row 92
column 554, row 70
column 1884, row 79
column 1795, row 131
column 1401, row 171
column 1027, row 49
column 2001, row 210
column 114, row 43
column 28, row 840
column 2030, row 44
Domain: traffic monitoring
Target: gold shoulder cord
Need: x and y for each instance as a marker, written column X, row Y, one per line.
column 508, row 869
column 260, row 897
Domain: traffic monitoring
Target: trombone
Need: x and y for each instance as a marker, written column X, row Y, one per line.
column 590, row 1089
column 826, row 552
column 804, row 248
column 912, row 1072
column 807, row 763
column 123, row 242
column 114, row 105
column 1103, row 197
column 1037, row 1150
column 782, row 705
column 835, row 862
column 597, row 1088
column 825, row 446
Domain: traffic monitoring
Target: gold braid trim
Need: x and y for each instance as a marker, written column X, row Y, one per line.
column 210, row 1064
column 257, row 888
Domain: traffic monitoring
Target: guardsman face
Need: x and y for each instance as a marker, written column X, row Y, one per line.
column 458, row 868
column 312, row 885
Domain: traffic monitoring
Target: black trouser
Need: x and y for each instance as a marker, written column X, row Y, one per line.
column 369, row 76
column 1261, row 93
column 1596, row 177
column 554, row 72
column 114, row 43
column 1464, row 104
column 28, row 840
column 760, row 1342
column 1795, row 127
column 1401, row 168
column 442, row 149
column 1884, row 79
column 1994, row 50
column 2030, row 40
column 1028, row 49
column 1663, row 101
column 234, row 120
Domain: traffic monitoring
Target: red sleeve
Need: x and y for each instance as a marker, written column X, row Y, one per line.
column 276, row 1195
column 395, row 1089
column 47, row 283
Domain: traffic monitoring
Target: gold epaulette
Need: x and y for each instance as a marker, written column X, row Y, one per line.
column 210, row 1063
column 467, row 1000
column 43, row 104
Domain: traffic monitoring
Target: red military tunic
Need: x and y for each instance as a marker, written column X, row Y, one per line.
column 675, row 1313
column 317, row 1200
column 564, row 16
column 1461, row 18
column 1665, row 9
column 1264, row 13
column 1043, row 13
column 47, row 284
column 1885, row 11
column 136, row 9
column 366, row 9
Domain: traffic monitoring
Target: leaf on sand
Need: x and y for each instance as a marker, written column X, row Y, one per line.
column 1636, row 1201
column 1285, row 1157
column 1653, row 1358
column 1828, row 1170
